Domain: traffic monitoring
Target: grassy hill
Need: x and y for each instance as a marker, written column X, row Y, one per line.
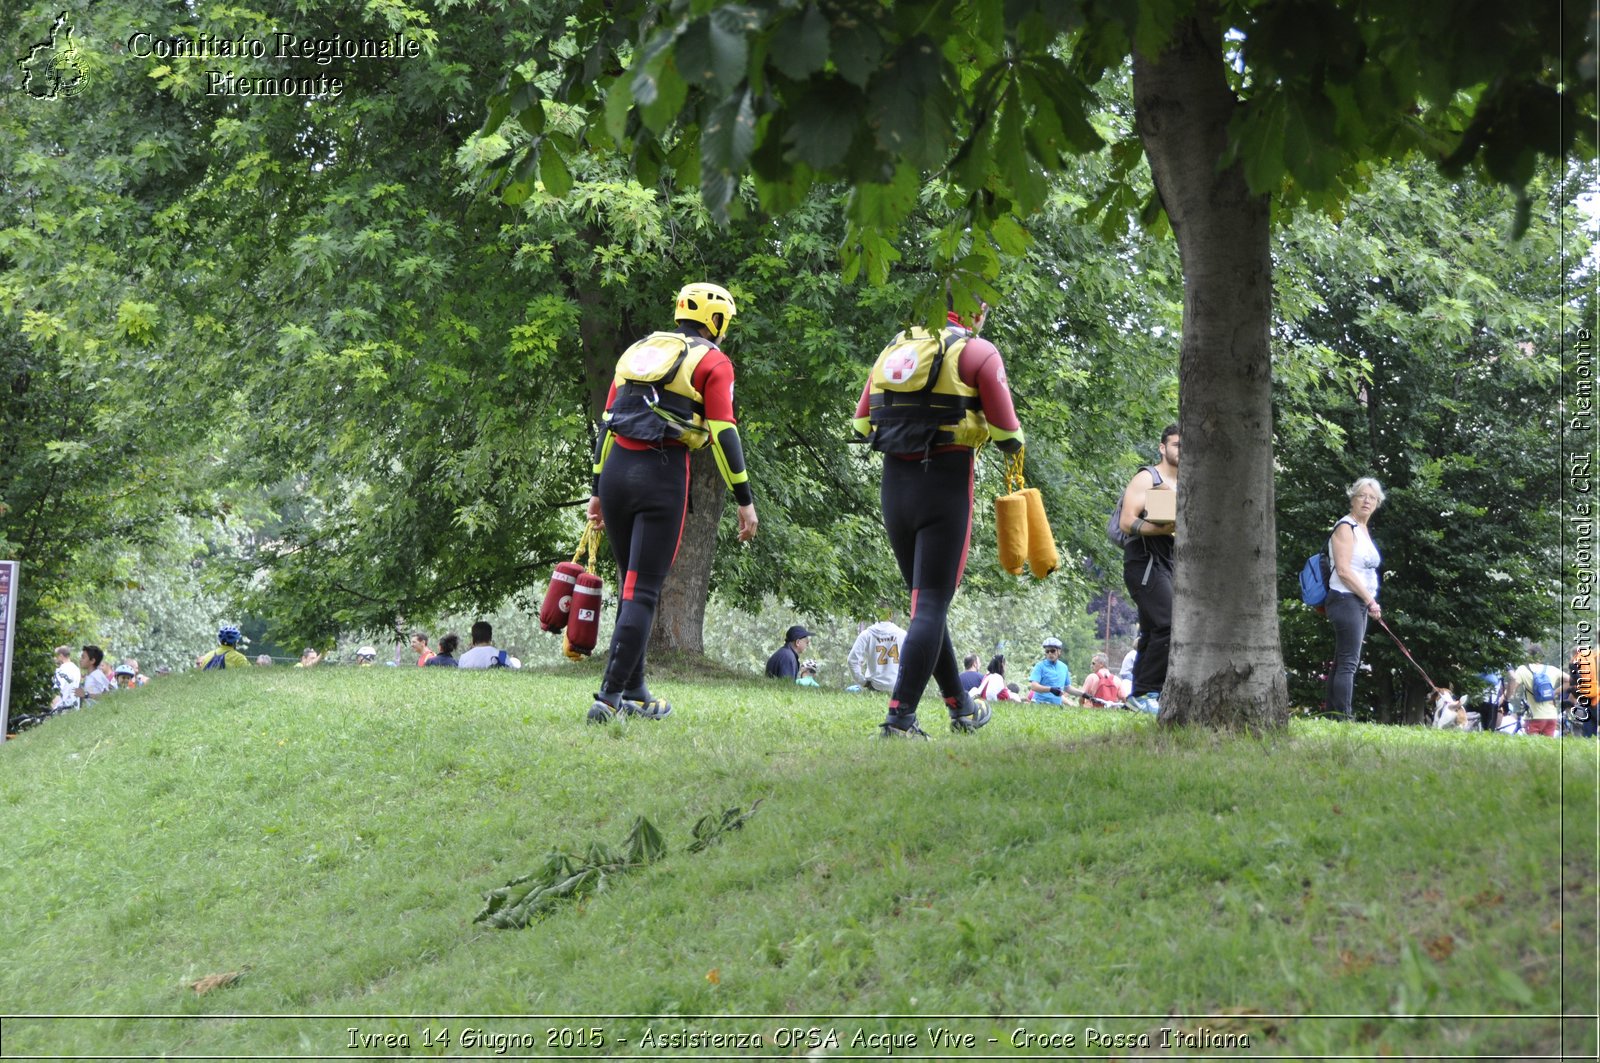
column 317, row 843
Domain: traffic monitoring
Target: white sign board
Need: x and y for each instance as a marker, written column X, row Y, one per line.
column 8, row 625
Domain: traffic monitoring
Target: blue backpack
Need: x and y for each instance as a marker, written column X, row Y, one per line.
column 1314, row 575
column 1543, row 689
column 218, row 660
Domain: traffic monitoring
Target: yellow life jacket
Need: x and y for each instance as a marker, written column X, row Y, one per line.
column 916, row 398
column 656, row 400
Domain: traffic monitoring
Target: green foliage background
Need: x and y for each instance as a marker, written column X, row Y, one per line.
column 285, row 362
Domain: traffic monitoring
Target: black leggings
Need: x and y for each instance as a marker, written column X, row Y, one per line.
column 927, row 511
column 644, row 497
column 1148, row 578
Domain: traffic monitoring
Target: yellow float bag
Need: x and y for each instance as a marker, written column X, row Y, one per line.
column 1042, row 556
column 1011, row 530
column 1011, row 519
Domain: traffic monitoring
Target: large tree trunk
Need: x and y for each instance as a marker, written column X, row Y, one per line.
column 1227, row 665
column 681, row 616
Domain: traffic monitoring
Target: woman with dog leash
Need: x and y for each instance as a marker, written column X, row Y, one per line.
column 1352, row 590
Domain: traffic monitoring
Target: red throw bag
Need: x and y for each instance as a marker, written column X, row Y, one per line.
column 558, row 598
column 583, row 627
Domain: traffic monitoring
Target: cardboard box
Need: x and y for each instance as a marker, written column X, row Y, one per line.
column 1161, row 506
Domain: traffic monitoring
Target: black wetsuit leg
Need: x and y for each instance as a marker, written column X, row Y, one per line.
column 644, row 497
column 927, row 513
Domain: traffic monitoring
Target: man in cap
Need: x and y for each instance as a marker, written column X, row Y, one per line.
column 785, row 662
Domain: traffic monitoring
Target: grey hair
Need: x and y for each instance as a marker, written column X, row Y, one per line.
column 1367, row 481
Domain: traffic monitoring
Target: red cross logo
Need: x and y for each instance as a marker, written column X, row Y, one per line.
column 900, row 367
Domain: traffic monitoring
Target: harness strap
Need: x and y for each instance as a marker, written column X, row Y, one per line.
column 656, row 394
column 921, row 400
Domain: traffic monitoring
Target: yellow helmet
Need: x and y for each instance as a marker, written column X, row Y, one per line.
column 698, row 302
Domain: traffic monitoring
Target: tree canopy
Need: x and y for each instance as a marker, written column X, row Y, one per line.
column 1236, row 105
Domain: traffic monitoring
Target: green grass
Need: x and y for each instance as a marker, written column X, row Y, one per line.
column 328, row 835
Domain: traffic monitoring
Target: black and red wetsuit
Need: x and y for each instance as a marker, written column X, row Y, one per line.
column 643, row 488
column 927, row 514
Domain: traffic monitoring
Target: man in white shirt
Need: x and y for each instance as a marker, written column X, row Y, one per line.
column 482, row 653
column 95, row 682
column 875, row 657
column 67, row 680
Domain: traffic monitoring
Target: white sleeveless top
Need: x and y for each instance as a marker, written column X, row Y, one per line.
column 1364, row 558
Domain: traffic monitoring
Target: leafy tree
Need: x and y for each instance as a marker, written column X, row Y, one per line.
column 1237, row 104
column 1428, row 344
column 98, row 436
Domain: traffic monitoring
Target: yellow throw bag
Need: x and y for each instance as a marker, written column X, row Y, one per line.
column 1011, row 529
column 1042, row 556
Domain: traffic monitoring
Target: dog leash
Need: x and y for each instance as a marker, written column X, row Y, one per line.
column 1432, row 685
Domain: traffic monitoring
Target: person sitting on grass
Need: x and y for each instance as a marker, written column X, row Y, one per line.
column 483, row 653
column 227, row 654
column 96, row 681
column 446, row 657
column 1051, row 678
column 993, row 687
column 419, row 646
column 1101, row 689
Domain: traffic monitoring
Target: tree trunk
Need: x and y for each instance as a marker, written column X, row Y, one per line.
column 681, row 616
column 1226, row 666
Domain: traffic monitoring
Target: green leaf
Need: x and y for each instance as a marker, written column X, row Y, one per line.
column 670, row 92
column 1014, row 162
column 499, row 107
column 553, row 171
column 644, row 842
column 886, row 206
column 619, row 101
column 857, row 52
column 730, row 44
column 1010, row 236
column 820, row 130
column 1071, row 100
column 729, row 134
column 909, row 103
column 695, row 54
column 1259, row 141
column 800, row 54
column 521, row 94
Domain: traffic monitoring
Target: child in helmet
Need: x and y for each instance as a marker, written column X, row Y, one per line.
column 227, row 654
